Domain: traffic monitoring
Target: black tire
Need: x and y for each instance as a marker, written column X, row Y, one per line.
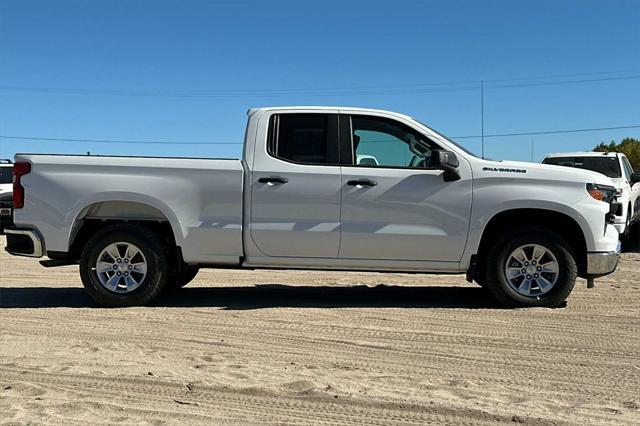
column 154, row 251
column 180, row 279
column 497, row 283
column 625, row 237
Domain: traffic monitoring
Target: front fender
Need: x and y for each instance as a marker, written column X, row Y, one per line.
column 584, row 213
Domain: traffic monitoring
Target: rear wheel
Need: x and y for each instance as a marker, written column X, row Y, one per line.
column 124, row 265
column 530, row 267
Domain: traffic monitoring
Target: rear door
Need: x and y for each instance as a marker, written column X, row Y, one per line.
column 295, row 187
column 394, row 205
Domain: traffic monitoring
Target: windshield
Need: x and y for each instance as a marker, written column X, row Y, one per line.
column 6, row 174
column 448, row 139
column 608, row 166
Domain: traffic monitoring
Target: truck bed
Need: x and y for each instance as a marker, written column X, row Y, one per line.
column 200, row 198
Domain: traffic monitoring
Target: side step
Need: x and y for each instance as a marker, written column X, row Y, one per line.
column 53, row 263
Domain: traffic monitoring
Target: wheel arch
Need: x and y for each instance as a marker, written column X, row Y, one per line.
column 558, row 222
column 149, row 213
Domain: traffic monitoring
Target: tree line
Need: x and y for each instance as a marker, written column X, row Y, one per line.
column 628, row 146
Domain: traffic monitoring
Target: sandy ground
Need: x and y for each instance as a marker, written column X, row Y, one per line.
column 316, row 347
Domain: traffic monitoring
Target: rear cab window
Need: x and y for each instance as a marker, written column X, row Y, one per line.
column 304, row 138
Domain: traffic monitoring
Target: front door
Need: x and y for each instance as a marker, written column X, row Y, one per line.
column 295, row 187
column 394, row 206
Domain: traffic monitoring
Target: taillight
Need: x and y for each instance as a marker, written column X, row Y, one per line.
column 19, row 169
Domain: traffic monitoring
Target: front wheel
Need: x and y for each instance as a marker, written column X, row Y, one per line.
column 124, row 265
column 530, row 267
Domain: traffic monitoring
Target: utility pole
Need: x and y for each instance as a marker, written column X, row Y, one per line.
column 532, row 150
column 482, row 113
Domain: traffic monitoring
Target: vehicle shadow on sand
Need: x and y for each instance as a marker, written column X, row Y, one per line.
column 269, row 296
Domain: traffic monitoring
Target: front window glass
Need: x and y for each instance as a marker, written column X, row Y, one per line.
column 607, row 165
column 448, row 139
column 380, row 142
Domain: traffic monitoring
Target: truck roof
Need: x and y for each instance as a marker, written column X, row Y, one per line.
column 311, row 107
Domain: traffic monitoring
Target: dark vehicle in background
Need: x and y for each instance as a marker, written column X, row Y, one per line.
column 6, row 193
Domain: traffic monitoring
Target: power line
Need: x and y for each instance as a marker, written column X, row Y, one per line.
column 336, row 91
column 120, row 141
column 116, row 141
column 226, row 94
column 580, row 74
column 548, row 132
column 553, row 83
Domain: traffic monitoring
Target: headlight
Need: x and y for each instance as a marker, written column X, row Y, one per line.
column 604, row 193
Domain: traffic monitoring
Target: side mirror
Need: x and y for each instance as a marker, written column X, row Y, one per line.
column 635, row 178
column 447, row 161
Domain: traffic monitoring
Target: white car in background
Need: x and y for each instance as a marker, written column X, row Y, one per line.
column 6, row 193
column 615, row 166
column 6, row 178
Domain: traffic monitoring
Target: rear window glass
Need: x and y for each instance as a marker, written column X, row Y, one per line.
column 6, row 174
column 302, row 138
column 608, row 166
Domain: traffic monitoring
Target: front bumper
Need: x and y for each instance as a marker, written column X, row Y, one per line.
column 23, row 242
column 603, row 263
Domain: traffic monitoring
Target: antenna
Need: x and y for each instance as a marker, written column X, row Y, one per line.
column 482, row 113
column 532, row 150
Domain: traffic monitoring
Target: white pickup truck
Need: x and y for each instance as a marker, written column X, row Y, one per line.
column 615, row 166
column 299, row 198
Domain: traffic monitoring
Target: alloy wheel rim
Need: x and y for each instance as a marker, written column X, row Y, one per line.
column 532, row 270
column 121, row 267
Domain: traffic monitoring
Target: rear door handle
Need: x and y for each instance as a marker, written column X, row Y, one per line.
column 273, row 179
column 362, row 182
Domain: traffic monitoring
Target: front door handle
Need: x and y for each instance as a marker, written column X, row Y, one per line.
column 362, row 182
column 273, row 179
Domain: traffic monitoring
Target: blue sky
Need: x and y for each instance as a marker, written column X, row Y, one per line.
column 195, row 67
